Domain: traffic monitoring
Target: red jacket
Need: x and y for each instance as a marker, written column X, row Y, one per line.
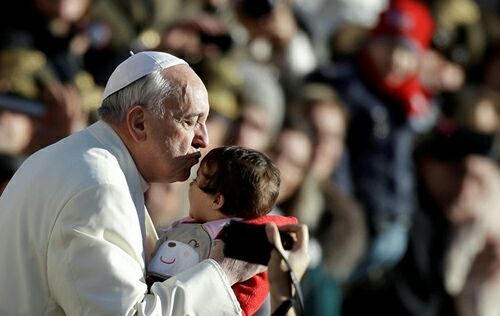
column 252, row 293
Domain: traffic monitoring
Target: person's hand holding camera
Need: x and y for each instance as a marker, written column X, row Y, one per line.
column 236, row 270
column 298, row 258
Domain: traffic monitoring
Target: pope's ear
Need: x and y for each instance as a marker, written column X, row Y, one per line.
column 218, row 201
column 135, row 121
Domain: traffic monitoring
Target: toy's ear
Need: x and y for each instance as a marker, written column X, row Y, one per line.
column 218, row 201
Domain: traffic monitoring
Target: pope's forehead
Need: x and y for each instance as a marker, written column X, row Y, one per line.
column 181, row 75
column 188, row 83
column 190, row 93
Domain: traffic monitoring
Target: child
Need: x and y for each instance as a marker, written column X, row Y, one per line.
column 232, row 183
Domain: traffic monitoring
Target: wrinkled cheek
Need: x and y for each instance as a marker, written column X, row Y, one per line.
column 178, row 145
column 169, row 149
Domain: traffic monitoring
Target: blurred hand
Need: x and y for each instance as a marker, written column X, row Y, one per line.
column 64, row 108
column 473, row 260
column 281, row 28
column 185, row 38
column 236, row 270
column 64, row 114
column 298, row 257
column 482, row 288
column 438, row 74
column 479, row 196
column 487, row 263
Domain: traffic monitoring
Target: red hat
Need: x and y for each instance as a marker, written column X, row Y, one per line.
column 409, row 19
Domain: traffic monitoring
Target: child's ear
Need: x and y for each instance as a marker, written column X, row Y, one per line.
column 218, row 201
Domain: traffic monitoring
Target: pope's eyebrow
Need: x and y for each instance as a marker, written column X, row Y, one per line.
column 192, row 115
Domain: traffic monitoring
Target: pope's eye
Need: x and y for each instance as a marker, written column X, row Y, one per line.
column 191, row 122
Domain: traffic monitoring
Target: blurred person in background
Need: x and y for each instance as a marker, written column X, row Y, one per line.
column 261, row 109
column 341, row 223
column 335, row 222
column 322, row 106
column 54, row 110
column 63, row 31
column 451, row 264
column 275, row 38
column 325, row 20
column 440, row 75
column 490, row 11
column 53, row 28
column 460, row 34
column 165, row 203
column 18, row 123
column 474, row 106
column 203, row 40
column 388, row 107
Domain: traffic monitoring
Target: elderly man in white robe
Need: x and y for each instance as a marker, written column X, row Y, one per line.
column 74, row 231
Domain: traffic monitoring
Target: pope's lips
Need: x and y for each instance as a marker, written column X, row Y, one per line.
column 195, row 155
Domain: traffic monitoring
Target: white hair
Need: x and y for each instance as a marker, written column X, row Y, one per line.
column 150, row 92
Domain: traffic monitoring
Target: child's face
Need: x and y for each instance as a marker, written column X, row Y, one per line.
column 200, row 202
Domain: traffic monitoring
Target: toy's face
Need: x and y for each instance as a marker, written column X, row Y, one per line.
column 173, row 257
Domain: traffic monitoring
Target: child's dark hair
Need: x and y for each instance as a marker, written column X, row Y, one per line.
column 248, row 180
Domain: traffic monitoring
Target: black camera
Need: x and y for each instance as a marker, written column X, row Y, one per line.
column 248, row 242
column 257, row 8
column 223, row 41
column 456, row 145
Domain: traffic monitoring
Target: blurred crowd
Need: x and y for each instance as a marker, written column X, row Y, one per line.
column 383, row 117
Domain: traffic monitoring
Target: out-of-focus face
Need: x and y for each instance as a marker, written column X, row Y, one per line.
column 394, row 61
column 253, row 130
column 217, row 128
column 174, row 142
column 485, row 117
column 16, row 130
column 444, row 181
column 292, row 155
column 68, row 10
column 330, row 124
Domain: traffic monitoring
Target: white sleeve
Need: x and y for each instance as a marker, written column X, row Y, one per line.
column 96, row 266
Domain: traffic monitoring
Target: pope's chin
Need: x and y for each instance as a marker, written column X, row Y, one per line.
column 181, row 177
column 184, row 173
column 181, row 167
